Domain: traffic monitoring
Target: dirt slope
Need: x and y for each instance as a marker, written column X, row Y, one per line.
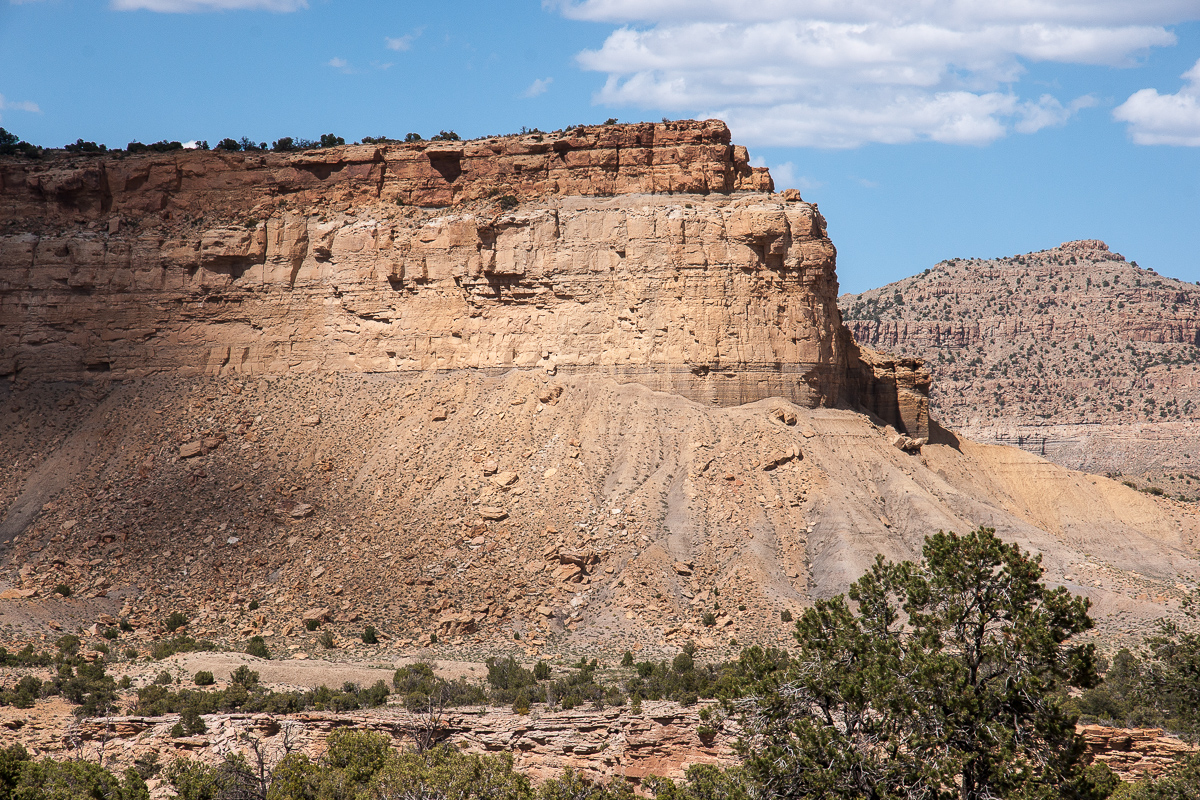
column 464, row 505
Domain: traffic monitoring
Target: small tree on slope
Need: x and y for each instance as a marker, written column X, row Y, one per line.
column 936, row 680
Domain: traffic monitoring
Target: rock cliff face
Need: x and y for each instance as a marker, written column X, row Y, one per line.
column 1072, row 353
column 1134, row 753
column 649, row 253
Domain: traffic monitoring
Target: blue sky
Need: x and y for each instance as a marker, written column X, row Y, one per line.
column 924, row 130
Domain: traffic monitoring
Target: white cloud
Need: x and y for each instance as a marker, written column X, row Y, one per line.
column 538, row 87
column 340, row 64
column 1096, row 12
column 195, row 6
column 400, row 43
column 834, row 73
column 20, row 105
column 1172, row 119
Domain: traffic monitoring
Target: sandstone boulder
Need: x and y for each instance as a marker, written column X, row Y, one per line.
column 504, row 479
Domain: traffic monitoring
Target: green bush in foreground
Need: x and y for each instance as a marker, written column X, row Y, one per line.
column 180, row 644
column 942, row 680
column 22, row 778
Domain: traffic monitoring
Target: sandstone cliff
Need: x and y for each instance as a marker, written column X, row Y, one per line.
column 649, row 253
column 1072, row 353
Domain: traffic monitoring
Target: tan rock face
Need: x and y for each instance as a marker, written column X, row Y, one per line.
column 648, row 253
column 1134, row 753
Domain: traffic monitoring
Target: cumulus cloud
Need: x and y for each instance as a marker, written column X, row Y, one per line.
column 340, row 64
column 196, row 6
column 538, row 87
column 833, row 73
column 1172, row 119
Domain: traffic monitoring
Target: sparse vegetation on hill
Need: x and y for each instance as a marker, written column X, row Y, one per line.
column 949, row 674
column 1075, row 335
column 77, row 678
column 13, row 145
column 157, row 147
column 245, row 693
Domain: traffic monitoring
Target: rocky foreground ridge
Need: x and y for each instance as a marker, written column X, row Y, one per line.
column 1073, row 353
column 601, row 744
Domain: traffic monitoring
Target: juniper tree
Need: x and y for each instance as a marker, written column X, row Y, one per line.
column 930, row 681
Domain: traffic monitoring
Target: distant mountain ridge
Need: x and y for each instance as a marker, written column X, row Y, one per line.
column 1073, row 353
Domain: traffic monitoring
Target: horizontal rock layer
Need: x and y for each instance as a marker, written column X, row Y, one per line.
column 601, row 745
column 649, row 253
column 681, row 157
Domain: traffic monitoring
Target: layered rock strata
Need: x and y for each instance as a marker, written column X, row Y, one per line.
column 650, row 253
column 1072, row 353
column 600, row 745
column 1135, row 753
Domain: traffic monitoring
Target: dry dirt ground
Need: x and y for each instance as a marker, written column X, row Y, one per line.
column 515, row 513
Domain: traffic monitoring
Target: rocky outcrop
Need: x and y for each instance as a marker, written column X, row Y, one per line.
column 682, row 157
column 662, row 739
column 896, row 389
column 650, row 253
column 612, row 743
column 1134, row 753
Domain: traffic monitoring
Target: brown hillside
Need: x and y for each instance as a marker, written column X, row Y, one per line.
column 577, row 512
column 1073, row 353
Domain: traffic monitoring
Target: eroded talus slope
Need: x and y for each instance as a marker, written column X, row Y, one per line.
column 1072, row 353
column 576, row 511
